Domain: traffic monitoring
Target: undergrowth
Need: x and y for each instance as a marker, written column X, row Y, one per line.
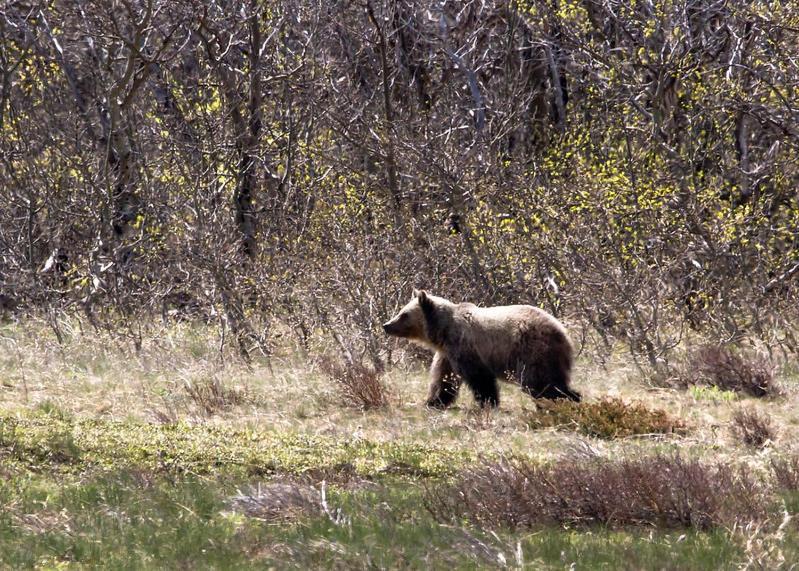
column 136, row 519
column 211, row 395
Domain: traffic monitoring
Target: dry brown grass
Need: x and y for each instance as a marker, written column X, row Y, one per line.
column 662, row 490
column 786, row 472
column 90, row 375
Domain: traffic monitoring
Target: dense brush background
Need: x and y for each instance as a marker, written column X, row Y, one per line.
column 629, row 166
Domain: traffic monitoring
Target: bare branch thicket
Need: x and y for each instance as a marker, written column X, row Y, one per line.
column 299, row 164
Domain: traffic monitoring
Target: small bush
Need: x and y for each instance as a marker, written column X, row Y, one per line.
column 752, row 427
column 721, row 367
column 607, row 418
column 663, row 491
column 358, row 385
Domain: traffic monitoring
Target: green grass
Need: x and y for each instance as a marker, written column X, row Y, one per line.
column 711, row 393
column 60, row 443
column 78, row 492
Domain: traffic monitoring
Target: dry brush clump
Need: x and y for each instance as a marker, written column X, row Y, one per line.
column 665, row 490
column 728, row 370
column 358, row 385
column 278, row 502
column 606, row 418
column 786, row 473
column 283, row 502
column 752, row 427
column 212, row 396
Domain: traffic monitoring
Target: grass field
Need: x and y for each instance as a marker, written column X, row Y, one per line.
column 177, row 458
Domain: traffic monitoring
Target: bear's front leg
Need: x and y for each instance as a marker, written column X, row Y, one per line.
column 444, row 383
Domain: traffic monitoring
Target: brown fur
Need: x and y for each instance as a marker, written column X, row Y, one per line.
column 518, row 343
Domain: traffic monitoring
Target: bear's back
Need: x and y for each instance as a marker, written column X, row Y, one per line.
column 507, row 324
column 508, row 334
column 504, row 316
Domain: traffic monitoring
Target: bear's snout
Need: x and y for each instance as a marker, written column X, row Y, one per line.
column 393, row 328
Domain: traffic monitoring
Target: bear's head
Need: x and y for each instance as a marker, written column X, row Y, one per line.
column 412, row 320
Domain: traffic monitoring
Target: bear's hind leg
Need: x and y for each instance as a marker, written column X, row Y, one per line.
column 544, row 382
column 486, row 393
column 481, row 380
column 445, row 383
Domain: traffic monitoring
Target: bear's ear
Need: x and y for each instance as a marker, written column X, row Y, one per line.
column 415, row 293
column 424, row 301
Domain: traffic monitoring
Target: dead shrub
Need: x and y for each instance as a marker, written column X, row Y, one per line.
column 607, row 418
column 720, row 366
column 358, row 385
column 663, row 491
column 278, row 502
column 752, row 428
column 211, row 395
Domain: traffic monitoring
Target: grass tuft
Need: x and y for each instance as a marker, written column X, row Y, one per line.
column 752, row 427
column 664, row 491
column 606, row 418
column 359, row 386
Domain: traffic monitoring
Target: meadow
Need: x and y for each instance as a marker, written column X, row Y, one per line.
column 179, row 456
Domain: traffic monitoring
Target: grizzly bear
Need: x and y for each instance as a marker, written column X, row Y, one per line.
column 518, row 343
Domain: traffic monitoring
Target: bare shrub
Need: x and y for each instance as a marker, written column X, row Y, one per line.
column 721, row 367
column 786, row 473
column 278, row 502
column 607, row 418
column 664, row 491
column 211, row 395
column 358, row 385
column 752, row 428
